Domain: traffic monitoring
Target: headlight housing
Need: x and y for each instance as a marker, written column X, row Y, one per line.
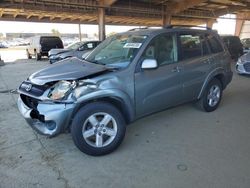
column 240, row 61
column 61, row 89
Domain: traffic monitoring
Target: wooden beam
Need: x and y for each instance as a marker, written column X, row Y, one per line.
column 224, row 11
column 107, row 2
column 29, row 16
column 239, row 25
column 52, row 18
column 1, row 13
column 40, row 17
column 210, row 23
column 182, row 5
column 166, row 17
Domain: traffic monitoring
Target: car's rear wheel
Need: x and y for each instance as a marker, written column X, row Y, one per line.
column 98, row 128
column 28, row 54
column 212, row 96
column 38, row 56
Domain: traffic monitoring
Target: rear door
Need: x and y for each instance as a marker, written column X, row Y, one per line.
column 160, row 88
column 219, row 56
column 194, row 55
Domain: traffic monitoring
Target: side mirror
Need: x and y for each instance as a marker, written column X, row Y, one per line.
column 149, row 64
column 82, row 48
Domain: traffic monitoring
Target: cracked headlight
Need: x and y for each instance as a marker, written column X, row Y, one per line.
column 61, row 90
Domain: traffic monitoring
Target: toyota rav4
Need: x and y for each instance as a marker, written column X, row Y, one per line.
column 128, row 76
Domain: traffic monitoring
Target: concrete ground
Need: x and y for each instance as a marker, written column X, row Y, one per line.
column 179, row 148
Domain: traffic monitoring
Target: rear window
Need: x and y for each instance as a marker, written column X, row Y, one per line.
column 51, row 40
column 214, row 45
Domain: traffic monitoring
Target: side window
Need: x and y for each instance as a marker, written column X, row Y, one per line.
column 90, row 45
column 163, row 49
column 214, row 44
column 191, row 46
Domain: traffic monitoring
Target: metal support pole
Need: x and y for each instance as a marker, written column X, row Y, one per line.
column 101, row 23
column 80, row 32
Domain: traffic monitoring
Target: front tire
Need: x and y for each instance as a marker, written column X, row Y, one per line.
column 98, row 128
column 212, row 96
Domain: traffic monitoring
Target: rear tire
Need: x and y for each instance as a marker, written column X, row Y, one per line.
column 212, row 96
column 28, row 54
column 98, row 128
column 38, row 56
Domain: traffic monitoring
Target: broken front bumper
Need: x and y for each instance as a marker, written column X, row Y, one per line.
column 47, row 119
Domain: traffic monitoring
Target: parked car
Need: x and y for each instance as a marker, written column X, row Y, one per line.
column 234, row 45
column 77, row 49
column 243, row 64
column 128, row 76
column 2, row 45
column 40, row 46
column 246, row 45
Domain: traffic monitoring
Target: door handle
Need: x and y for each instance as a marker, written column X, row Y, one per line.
column 176, row 69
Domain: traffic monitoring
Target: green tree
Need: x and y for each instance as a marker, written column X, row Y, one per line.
column 111, row 34
column 56, row 32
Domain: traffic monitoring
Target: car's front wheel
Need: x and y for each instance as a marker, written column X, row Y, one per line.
column 212, row 96
column 98, row 128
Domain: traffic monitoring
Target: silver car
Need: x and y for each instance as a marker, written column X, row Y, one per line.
column 78, row 49
column 243, row 64
column 128, row 76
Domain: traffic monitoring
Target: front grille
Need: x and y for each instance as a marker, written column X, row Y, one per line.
column 247, row 66
column 32, row 89
column 29, row 101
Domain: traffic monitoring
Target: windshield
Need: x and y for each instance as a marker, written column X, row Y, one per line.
column 118, row 50
column 74, row 46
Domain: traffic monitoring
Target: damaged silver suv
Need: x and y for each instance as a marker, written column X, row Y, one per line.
column 128, row 76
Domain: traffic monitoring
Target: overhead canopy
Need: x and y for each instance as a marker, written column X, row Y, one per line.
column 122, row 12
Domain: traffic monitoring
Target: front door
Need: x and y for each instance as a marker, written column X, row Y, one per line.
column 160, row 88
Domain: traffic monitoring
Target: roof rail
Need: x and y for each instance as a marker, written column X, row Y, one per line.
column 138, row 28
column 187, row 26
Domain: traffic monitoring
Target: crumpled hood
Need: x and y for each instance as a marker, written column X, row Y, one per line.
column 58, row 51
column 68, row 69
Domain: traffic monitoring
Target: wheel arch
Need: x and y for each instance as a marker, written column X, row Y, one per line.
column 218, row 74
column 125, row 108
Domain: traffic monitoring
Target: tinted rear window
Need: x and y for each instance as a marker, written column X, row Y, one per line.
column 51, row 40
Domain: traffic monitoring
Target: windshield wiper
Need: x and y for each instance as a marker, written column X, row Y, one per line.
column 112, row 68
column 96, row 62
